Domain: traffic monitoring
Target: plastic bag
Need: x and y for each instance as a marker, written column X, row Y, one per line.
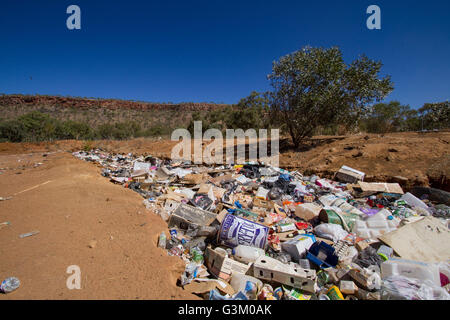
column 190, row 272
column 330, row 231
column 215, row 295
column 403, row 288
column 444, row 270
column 368, row 257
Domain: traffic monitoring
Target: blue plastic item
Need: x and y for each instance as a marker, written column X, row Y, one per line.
column 322, row 255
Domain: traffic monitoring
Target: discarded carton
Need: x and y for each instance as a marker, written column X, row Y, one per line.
column 380, row 187
column 202, row 286
column 348, row 287
column 221, row 266
column 194, row 178
column 427, row 240
column 270, row 269
column 349, row 175
column 307, row 211
column 186, row 215
column 263, row 203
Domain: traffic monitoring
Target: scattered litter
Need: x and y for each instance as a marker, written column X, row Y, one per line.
column 29, row 234
column 9, row 285
column 4, row 224
column 253, row 231
column 39, row 185
column 92, row 244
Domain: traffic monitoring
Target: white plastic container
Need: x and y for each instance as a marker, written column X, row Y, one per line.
column 298, row 246
column 411, row 269
column 247, row 254
column 413, row 201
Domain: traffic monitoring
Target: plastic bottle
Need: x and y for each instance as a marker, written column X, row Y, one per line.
column 248, row 285
column 247, row 254
column 162, row 240
column 9, row 285
column 413, row 201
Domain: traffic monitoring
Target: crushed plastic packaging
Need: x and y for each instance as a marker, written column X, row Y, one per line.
column 403, row 288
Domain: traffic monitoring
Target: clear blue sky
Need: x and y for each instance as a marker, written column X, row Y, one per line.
column 212, row 50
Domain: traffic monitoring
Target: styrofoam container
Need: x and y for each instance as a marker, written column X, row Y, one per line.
column 374, row 226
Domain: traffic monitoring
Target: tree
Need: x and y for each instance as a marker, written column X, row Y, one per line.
column 314, row 87
column 388, row 117
column 250, row 112
column 436, row 115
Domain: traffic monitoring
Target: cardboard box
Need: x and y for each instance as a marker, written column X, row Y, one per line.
column 270, row 269
column 221, row 266
column 263, row 203
column 186, row 215
column 380, row 187
column 348, row 287
column 307, row 211
column 349, row 175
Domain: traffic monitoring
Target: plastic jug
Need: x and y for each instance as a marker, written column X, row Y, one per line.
column 247, row 254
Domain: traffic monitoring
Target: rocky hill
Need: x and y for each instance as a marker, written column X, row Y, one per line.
column 99, row 111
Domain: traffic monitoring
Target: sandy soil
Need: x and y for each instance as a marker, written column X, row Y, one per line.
column 72, row 205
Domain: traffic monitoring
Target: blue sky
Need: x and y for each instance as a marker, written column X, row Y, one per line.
column 212, row 50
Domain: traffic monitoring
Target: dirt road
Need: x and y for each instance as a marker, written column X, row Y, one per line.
column 73, row 206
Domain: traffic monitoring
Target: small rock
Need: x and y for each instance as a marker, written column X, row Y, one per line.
column 393, row 150
column 359, row 154
column 92, row 244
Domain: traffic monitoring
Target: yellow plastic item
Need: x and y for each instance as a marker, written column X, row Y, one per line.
column 335, row 294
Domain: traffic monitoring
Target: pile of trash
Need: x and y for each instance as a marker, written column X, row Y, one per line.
column 254, row 231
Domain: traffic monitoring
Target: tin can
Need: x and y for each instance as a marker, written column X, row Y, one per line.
column 330, row 216
column 236, row 230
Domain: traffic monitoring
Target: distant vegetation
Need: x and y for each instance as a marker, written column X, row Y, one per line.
column 38, row 126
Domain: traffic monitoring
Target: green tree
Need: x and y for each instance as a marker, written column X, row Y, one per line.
column 314, row 87
column 436, row 115
column 388, row 117
column 250, row 112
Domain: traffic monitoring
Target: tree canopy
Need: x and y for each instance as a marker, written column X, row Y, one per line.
column 314, row 87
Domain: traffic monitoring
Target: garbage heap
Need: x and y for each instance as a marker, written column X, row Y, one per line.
column 254, row 231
